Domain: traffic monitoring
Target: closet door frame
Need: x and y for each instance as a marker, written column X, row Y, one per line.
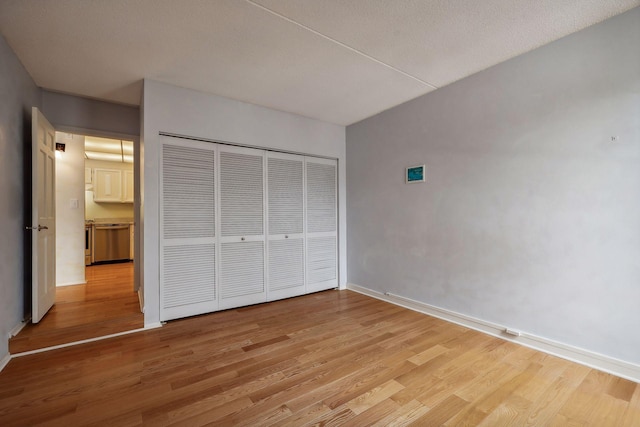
column 276, row 294
column 201, row 307
column 256, row 298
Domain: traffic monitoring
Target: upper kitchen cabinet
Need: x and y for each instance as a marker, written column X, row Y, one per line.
column 108, row 185
column 113, row 186
column 127, row 186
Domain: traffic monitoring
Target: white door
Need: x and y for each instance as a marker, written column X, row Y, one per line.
column 322, row 224
column 188, row 243
column 285, row 219
column 43, row 219
column 242, row 225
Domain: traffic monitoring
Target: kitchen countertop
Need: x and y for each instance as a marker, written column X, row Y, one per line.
column 110, row 221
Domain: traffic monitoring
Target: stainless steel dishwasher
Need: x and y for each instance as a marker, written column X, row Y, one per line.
column 111, row 242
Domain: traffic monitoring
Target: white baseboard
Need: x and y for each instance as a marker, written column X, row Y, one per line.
column 3, row 362
column 153, row 325
column 59, row 285
column 588, row 358
column 16, row 330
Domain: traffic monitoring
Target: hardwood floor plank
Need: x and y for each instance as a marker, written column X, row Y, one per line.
column 372, row 413
column 336, row 417
column 374, row 396
column 548, row 403
column 428, row 354
column 443, row 412
column 588, row 404
column 621, row 389
column 632, row 413
column 303, row 417
column 511, row 412
column 403, row 416
column 350, row 360
column 210, row 416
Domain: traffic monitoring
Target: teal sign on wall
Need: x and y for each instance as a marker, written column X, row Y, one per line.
column 415, row 174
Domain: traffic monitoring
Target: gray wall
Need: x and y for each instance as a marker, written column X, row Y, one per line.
column 18, row 94
column 74, row 112
column 530, row 216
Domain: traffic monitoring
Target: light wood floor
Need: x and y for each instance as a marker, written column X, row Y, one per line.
column 104, row 306
column 332, row 358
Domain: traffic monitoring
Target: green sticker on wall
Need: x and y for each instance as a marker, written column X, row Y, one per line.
column 415, row 174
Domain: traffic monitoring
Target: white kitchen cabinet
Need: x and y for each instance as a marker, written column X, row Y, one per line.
column 108, row 185
column 127, row 186
column 113, row 186
column 87, row 176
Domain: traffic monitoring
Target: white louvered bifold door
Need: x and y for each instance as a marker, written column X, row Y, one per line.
column 187, row 227
column 285, row 219
column 242, row 227
column 322, row 224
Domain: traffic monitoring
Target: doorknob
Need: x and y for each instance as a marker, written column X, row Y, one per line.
column 39, row 227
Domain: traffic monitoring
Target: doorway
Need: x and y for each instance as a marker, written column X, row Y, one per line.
column 95, row 205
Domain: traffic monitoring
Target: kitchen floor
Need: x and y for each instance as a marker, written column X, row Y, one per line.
column 105, row 305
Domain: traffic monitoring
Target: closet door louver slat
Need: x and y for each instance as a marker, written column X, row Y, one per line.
column 242, row 250
column 286, row 265
column 321, row 197
column 188, row 272
column 188, row 192
column 322, row 259
column 285, row 194
column 322, row 224
column 188, row 240
column 242, row 269
column 241, row 194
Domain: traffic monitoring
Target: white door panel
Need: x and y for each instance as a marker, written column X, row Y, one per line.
column 43, row 221
column 188, row 282
column 241, row 192
column 322, row 224
column 242, row 225
column 285, row 213
column 242, row 274
column 286, row 268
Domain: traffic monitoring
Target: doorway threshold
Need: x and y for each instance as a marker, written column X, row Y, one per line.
column 88, row 340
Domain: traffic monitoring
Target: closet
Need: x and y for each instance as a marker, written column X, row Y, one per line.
column 240, row 226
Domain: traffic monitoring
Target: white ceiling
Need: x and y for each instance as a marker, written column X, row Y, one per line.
column 335, row 60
